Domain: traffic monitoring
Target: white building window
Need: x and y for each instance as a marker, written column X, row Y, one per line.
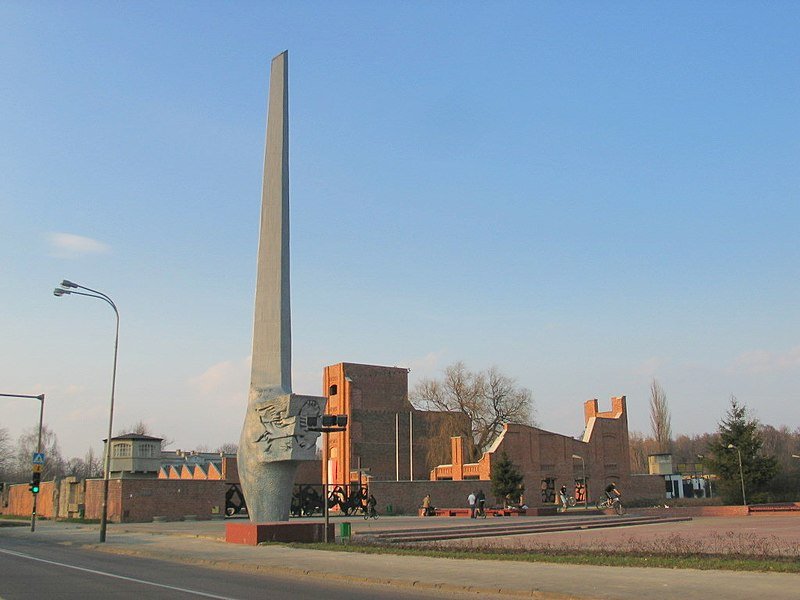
column 121, row 450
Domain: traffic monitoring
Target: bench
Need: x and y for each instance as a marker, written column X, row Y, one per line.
column 465, row 512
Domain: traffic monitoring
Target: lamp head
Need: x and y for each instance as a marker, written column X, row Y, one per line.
column 68, row 284
column 732, row 447
column 60, row 292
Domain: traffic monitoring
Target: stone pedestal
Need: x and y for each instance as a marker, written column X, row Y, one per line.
column 252, row 534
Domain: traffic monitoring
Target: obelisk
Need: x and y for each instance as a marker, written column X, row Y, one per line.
column 275, row 434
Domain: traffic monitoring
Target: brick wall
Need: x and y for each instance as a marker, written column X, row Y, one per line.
column 405, row 497
column 20, row 500
column 139, row 500
column 645, row 487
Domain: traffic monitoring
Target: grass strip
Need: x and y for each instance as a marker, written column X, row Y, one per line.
column 705, row 562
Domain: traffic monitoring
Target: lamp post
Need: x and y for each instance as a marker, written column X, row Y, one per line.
column 585, row 483
column 40, row 398
column 326, row 424
column 741, row 471
column 69, row 288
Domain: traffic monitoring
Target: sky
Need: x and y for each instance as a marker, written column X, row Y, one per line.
column 587, row 196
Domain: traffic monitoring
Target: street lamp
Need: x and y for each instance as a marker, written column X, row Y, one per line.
column 69, row 288
column 741, row 471
column 585, row 483
column 326, row 424
column 40, row 398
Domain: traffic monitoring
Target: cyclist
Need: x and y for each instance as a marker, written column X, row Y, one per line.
column 371, row 512
column 612, row 492
column 564, row 500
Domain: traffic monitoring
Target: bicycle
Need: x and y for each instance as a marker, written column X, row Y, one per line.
column 370, row 512
column 570, row 503
column 612, row 503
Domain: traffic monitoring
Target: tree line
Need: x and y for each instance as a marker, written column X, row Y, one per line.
column 769, row 464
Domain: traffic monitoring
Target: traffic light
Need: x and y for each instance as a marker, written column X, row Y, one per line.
column 334, row 420
column 327, row 423
column 34, row 484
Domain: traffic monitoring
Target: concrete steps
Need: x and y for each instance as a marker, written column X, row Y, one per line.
column 478, row 530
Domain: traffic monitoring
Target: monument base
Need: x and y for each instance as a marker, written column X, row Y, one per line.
column 252, row 534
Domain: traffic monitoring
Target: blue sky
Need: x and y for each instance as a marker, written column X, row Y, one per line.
column 586, row 196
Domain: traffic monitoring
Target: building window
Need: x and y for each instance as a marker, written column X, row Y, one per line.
column 147, row 450
column 333, row 390
column 580, row 491
column 121, row 451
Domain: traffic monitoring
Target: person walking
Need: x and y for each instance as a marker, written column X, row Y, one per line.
column 471, row 501
column 480, row 500
column 427, row 507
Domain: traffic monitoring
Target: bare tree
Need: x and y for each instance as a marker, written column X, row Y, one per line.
column 139, row 428
column 26, row 446
column 5, row 455
column 142, row 428
column 88, row 467
column 640, row 448
column 489, row 399
column 660, row 420
column 228, row 448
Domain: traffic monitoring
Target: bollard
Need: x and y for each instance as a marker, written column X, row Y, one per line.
column 344, row 532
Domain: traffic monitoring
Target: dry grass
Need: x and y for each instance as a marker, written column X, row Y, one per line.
column 729, row 543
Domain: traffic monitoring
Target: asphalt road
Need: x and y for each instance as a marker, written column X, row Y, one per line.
column 42, row 569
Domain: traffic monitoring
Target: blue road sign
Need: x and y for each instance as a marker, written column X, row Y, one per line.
column 38, row 458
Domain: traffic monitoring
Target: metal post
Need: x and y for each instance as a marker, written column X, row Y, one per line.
column 107, row 469
column 39, row 450
column 741, row 476
column 40, row 398
column 411, row 446
column 68, row 288
column 741, row 470
column 325, row 482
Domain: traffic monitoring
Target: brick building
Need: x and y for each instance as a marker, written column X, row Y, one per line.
column 549, row 460
column 385, row 433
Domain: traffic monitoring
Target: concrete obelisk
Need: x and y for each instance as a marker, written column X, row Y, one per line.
column 275, row 434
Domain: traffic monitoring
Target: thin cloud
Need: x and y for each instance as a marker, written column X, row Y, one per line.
column 425, row 366
column 226, row 381
column 763, row 361
column 69, row 245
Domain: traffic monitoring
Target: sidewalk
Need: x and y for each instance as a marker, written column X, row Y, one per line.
column 199, row 543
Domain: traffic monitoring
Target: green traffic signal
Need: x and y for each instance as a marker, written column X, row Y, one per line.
column 34, row 484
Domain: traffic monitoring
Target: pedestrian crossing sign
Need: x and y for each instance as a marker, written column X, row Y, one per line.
column 38, row 458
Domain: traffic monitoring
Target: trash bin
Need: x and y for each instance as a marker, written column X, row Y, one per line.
column 344, row 532
column 388, row 509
